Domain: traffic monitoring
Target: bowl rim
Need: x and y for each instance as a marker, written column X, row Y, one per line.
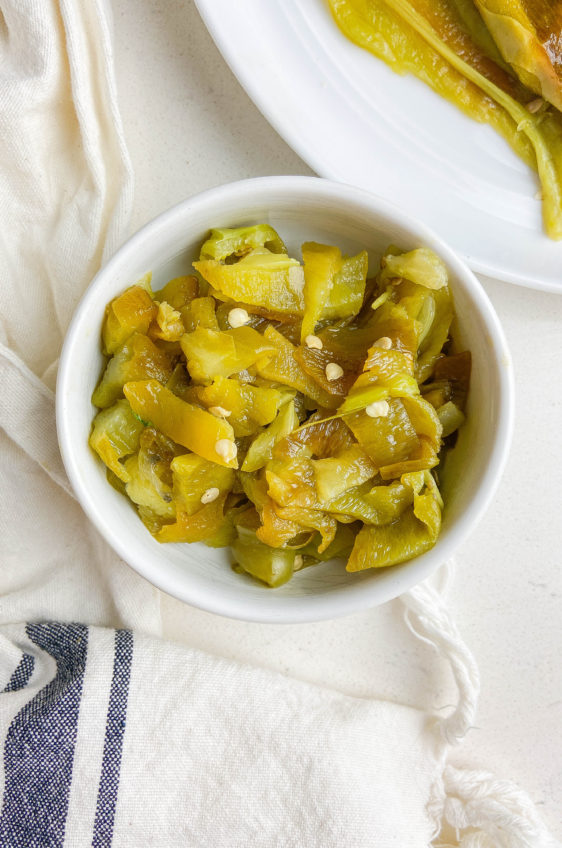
column 310, row 607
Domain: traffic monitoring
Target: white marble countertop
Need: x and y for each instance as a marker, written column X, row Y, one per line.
column 190, row 126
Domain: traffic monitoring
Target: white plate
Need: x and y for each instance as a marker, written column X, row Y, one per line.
column 354, row 120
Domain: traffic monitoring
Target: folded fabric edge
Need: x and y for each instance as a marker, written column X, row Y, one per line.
column 29, row 417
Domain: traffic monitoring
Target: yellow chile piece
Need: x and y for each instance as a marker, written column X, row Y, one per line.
column 131, row 312
column 271, row 280
column 186, row 424
column 197, row 527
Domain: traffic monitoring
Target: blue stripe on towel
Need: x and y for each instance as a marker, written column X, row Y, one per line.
column 39, row 746
column 22, row 674
column 113, row 745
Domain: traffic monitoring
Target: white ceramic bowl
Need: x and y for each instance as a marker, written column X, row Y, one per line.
column 301, row 208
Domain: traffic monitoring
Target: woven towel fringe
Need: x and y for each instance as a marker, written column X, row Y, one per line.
column 496, row 812
column 504, row 815
column 429, row 619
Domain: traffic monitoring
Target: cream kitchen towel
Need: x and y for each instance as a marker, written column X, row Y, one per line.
column 65, row 177
column 111, row 737
column 127, row 741
column 65, row 196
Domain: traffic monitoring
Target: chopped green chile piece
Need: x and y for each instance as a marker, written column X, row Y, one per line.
column 455, row 370
column 345, row 470
column 284, row 368
column 413, row 533
column 251, row 343
column 422, row 457
column 203, row 524
column 271, row 280
column 436, row 393
column 193, row 476
column 188, row 425
column 424, row 419
column 426, row 317
column 151, row 520
column 257, row 317
column 250, row 407
column 224, row 243
column 348, row 287
column 391, row 320
column 137, row 359
column 210, row 354
column 272, row 529
column 275, row 530
column 387, row 364
column 115, row 482
column 145, row 282
column 387, row 374
column 272, row 566
column 334, row 285
column 150, row 476
column 218, row 353
column 178, row 292
column 309, row 519
column 115, row 435
column 421, row 266
column 315, row 362
column 321, row 263
column 321, row 437
column 385, row 439
column 261, row 449
column 146, row 490
column 291, row 481
column 200, row 312
column 450, row 417
column 223, row 537
column 348, row 344
column 157, row 452
column 376, row 505
column 226, row 534
column 131, row 312
column 432, row 486
column 168, row 327
column 344, row 344
column 418, row 302
column 180, row 383
column 340, row 546
column 254, row 487
column 438, row 333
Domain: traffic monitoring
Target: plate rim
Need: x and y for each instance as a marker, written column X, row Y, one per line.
column 307, row 154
